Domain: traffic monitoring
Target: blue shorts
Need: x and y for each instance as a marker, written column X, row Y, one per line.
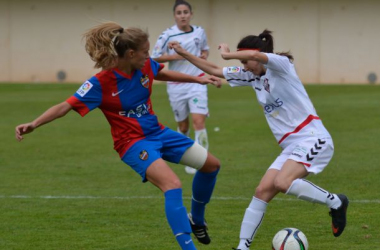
column 168, row 145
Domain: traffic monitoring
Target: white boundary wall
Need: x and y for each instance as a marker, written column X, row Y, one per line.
column 333, row 41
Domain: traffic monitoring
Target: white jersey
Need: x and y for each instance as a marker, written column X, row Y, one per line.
column 194, row 41
column 287, row 107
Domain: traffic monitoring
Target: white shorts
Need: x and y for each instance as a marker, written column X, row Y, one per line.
column 313, row 153
column 185, row 103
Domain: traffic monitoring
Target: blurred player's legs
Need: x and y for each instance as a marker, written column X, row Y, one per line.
column 196, row 105
column 200, row 135
column 188, row 169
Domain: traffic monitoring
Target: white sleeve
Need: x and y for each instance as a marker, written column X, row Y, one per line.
column 278, row 63
column 237, row 76
column 161, row 45
column 204, row 45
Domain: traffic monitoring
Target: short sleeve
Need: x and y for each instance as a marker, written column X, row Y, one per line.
column 160, row 47
column 87, row 97
column 156, row 67
column 204, row 44
column 237, row 76
column 278, row 63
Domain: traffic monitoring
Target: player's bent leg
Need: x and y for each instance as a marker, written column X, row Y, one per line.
column 308, row 191
column 290, row 171
column 203, row 186
column 338, row 204
column 196, row 157
column 162, row 176
column 290, row 179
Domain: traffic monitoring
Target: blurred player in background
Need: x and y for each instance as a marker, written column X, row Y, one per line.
column 122, row 92
column 185, row 98
column 307, row 145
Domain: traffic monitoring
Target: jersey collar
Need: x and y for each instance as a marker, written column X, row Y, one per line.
column 128, row 76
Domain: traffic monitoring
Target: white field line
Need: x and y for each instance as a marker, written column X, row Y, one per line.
column 149, row 197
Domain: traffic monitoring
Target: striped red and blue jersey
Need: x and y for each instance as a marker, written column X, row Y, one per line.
column 125, row 102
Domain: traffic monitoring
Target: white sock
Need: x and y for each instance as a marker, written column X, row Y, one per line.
column 185, row 134
column 201, row 138
column 307, row 191
column 253, row 217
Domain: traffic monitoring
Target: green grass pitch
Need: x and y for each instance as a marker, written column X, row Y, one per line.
column 64, row 186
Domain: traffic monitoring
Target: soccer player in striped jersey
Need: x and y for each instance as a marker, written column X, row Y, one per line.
column 185, row 98
column 307, row 145
column 122, row 90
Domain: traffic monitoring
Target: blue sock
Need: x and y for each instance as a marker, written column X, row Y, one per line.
column 177, row 217
column 185, row 241
column 203, row 186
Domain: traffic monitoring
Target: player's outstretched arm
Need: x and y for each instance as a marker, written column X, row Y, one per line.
column 244, row 55
column 174, row 76
column 49, row 115
column 202, row 64
column 166, row 58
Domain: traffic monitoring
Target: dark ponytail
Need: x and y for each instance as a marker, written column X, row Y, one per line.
column 267, row 41
column 262, row 42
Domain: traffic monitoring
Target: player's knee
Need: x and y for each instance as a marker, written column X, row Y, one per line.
column 183, row 129
column 281, row 184
column 173, row 184
column 212, row 164
column 260, row 192
column 183, row 126
column 215, row 163
column 199, row 124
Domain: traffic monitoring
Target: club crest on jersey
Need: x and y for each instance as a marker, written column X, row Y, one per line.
column 196, row 41
column 84, row 88
column 266, row 85
column 233, row 69
column 145, row 81
column 144, row 155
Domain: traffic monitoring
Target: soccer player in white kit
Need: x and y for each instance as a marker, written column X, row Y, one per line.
column 307, row 145
column 185, row 98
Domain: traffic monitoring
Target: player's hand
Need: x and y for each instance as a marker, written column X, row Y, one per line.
column 204, row 54
column 224, row 49
column 177, row 47
column 213, row 80
column 23, row 129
